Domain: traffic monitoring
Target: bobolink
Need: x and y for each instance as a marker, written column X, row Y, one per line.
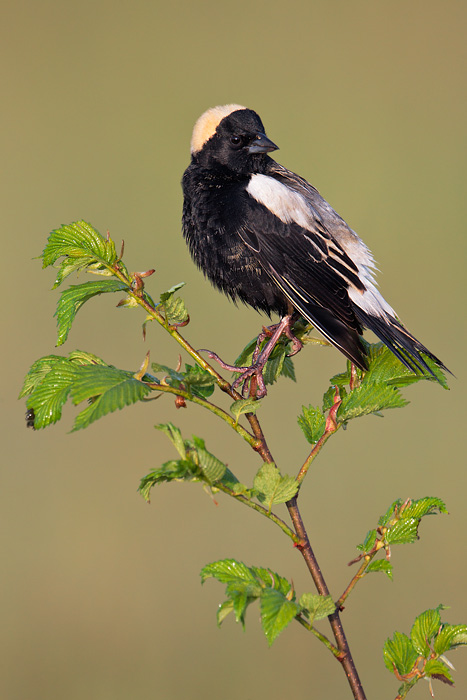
column 264, row 235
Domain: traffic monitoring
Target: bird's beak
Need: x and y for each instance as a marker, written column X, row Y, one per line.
column 261, row 144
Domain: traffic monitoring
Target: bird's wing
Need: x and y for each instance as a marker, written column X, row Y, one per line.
column 313, row 271
column 322, row 266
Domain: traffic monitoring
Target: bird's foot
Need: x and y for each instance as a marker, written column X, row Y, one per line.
column 251, row 378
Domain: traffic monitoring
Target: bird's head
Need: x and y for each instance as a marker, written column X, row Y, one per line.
column 231, row 136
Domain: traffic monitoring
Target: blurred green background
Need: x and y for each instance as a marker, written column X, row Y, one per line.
column 100, row 592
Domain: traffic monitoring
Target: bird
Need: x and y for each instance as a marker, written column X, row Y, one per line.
column 265, row 236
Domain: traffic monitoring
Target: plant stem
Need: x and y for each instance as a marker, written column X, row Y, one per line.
column 260, row 509
column 345, row 656
column 219, row 412
column 322, row 638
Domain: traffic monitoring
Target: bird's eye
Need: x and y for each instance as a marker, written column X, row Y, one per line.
column 236, row 141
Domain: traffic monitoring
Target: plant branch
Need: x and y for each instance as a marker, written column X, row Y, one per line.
column 259, row 509
column 345, row 656
column 322, row 638
column 219, row 412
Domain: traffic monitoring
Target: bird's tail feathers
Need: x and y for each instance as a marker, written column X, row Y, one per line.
column 403, row 344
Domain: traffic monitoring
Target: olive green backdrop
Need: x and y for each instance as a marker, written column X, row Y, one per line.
column 100, row 594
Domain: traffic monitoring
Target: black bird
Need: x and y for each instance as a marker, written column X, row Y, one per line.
column 265, row 236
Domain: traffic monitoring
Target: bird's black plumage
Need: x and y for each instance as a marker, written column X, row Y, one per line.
column 265, row 236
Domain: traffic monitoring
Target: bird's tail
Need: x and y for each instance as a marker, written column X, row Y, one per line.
column 403, row 344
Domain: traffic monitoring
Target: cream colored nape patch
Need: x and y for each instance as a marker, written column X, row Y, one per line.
column 207, row 124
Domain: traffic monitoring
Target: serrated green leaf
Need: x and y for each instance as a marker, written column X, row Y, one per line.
column 272, row 580
column 369, row 398
column 82, row 358
column 224, row 609
column 328, row 398
column 424, row 506
column 400, row 652
column 384, row 367
column 198, row 381
column 212, row 468
column 170, row 292
column 389, row 514
column 317, row 607
column 109, row 390
column 242, row 594
column 272, row 487
column 403, row 532
column 312, row 422
column 435, row 668
column 380, row 565
column 227, row 571
column 242, row 406
column 175, row 436
column 288, row 369
column 423, row 630
column 49, row 396
column 369, row 541
column 75, row 296
column 274, row 365
column 39, row 369
column 76, row 241
column 276, row 613
column 174, row 470
column 175, row 310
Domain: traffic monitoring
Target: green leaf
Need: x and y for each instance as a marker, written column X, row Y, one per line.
column 400, row 652
column 460, row 636
column 165, row 296
column 79, row 242
column 224, row 609
column 276, row 613
column 312, row 422
column 108, row 389
column 424, row 506
column 369, row 542
column 272, row 487
column 389, row 515
column 226, row 571
column 175, row 436
column 174, row 470
column 424, row 628
column 38, row 372
column 242, row 406
column 49, row 396
column 437, row 669
column 174, row 307
column 403, row 532
column 369, row 398
column 272, row 580
column 317, row 607
column 75, row 296
column 384, row 367
column 212, row 468
column 380, row 565
column 198, row 381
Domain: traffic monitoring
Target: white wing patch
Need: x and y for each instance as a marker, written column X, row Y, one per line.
column 281, row 200
column 290, row 206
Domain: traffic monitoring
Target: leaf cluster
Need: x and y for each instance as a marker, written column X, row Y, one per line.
column 399, row 525
column 83, row 377
column 421, row 654
column 365, row 393
column 197, row 464
column 277, row 598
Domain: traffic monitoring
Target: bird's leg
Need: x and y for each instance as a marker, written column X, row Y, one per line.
column 260, row 357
